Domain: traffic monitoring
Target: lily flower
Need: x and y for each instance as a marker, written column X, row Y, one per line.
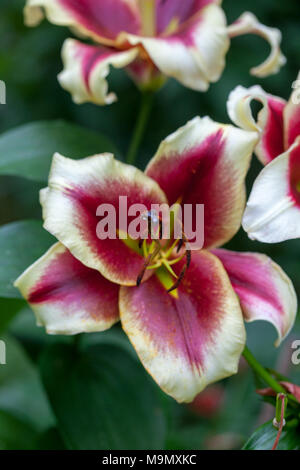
column 153, row 39
column 186, row 338
column 273, row 210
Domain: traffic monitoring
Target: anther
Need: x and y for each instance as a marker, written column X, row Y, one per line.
column 183, row 271
column 147, row 263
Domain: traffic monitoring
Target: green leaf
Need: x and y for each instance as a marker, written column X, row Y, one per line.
column 33, row 338
column 21, row 243
column 21, row 391
column 27, row 150
column 114, row 336
column 9, row 308
column 102, row 398
column 50, row 440
column 19, row 199
column 264, row 437
column 15, row 434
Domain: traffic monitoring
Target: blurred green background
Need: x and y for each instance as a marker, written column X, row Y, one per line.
column 29, row 63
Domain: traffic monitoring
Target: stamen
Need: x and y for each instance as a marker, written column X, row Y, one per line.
column 167, row 265
column 183, row 271
column 188, row 257
column 160, row 234
column 168, row 253
column 179, row 245
column 180, row 277
column 175, row 261
column 145, row 248
column 155, row 266
column 149, row 259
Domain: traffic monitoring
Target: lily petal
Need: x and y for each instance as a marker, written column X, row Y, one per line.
column 187, row 342
column 86, row 68
column 293, row 389
column 209, row 162
column 66, row 296
column 265, row 291
column 292, row 116
column 76, row 189
column 272, row 214
column 290, row 388
column 269, row 122
column 169, row 11
column 247, row 23
column 195, row 54
column 101, row 20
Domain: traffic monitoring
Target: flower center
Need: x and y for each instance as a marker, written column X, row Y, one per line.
column 163, row 253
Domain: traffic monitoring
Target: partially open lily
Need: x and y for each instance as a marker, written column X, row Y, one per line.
column 186, row 338
column 187, row 40
column 273, row 211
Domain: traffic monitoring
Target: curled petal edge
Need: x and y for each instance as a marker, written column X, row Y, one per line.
column 269, row 123
column 85, row 73
column 247, row 23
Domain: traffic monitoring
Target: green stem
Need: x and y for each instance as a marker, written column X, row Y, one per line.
column 140, row 127
column 261, row 371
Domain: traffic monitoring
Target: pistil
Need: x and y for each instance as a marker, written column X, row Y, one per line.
column 147, row 8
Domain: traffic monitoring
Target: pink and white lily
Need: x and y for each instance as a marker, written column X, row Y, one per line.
column 273, row 210
column 194, row 335
column 153, row 39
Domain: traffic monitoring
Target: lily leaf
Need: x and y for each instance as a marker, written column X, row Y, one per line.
column 21, row 243
column 21, row 391
column 9, row 309
column 15, row 434
column 264, row 437
column 27, row 150
column 102, row 398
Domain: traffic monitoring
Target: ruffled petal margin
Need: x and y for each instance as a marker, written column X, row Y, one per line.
column 191, row 340
column 81, row 195
column 292, row 115
column 265, row 291
column 86, row 69
column 66, row 296
column 272, row 213
column 247, row 23
column 102, row 20
column 209, row 162
column 195, row 54
column 270, row 121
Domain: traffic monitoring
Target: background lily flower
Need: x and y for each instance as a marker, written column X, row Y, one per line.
column 187, row 40
column 208, row 403
column 289, row 387
column 186, row 338
column 273, row 210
